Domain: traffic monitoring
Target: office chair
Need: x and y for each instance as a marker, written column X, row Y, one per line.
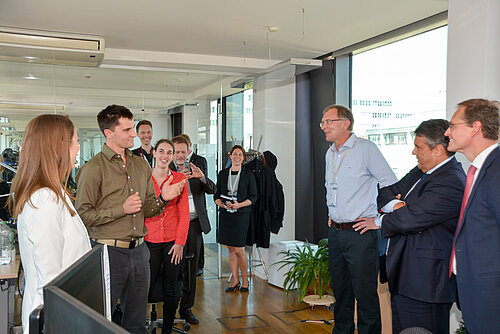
column 155, row 297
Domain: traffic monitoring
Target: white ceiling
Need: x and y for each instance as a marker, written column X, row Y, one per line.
column 178, row 51
column 219, row 27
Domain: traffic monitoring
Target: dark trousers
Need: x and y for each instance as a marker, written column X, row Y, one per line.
column 129, row 270
column 163, row 269
column 193, row 245
column 353, row 260
column 201, row 260
column 408, row 312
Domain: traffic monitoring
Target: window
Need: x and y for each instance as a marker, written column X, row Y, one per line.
column 238, row 119
column 397, row 138
column 395, row 88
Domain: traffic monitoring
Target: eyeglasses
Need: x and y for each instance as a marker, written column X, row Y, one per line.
column 453, row 125
column 328, row 121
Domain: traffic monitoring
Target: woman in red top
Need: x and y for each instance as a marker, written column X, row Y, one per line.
column 167, row 233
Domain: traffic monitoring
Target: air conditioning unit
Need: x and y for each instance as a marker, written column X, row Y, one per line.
column 35, row 46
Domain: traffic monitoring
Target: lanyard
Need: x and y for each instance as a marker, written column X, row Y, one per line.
column 151, row 165
column 233, row 187
column 336, row 170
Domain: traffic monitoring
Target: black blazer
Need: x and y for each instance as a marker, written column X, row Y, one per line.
column 422, row 232
column 199, row 189
column 477, row 250
column 247, row 188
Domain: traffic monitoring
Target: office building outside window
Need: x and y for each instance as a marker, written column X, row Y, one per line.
column 396, row 87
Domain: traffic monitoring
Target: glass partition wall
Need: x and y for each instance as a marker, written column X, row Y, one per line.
column 29, row 89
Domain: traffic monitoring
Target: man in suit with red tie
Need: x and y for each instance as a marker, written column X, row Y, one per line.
column 421, row 219
column 475, row 256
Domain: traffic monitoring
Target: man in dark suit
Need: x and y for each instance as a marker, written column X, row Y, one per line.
column 422, row 216
column 199, row 184
column 475, row 258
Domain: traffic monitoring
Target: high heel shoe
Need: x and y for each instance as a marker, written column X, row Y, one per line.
column 243, row 289
column 233, row 288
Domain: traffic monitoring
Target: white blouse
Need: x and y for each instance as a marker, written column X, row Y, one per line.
column 50, row 240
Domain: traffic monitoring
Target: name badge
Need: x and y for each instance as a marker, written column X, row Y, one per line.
column 332, row 194
column 192, row 208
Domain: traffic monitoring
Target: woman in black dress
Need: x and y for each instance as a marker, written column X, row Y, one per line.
column 236, row 192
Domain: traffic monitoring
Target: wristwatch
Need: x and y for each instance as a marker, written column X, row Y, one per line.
column 163, row 200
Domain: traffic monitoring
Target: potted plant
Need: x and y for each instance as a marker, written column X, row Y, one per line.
column 307, row 268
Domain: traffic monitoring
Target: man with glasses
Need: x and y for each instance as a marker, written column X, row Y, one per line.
column 475, row 258
column 354, row 167
column 421, row 218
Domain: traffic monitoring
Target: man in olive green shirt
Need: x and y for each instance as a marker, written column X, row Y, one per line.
column 115, row 194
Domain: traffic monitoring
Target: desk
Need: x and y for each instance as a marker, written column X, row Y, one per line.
column 8, row 275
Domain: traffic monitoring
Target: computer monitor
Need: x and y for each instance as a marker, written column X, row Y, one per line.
column 86, row 280
column 78, row 300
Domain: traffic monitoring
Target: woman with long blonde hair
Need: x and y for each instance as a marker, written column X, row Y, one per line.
column 51, row 234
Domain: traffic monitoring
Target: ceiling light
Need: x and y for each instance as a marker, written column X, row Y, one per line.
column 273, row 28
column 31, row 77
column 31, row 106
column 30, row 59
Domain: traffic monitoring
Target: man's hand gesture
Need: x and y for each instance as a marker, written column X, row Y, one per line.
column 195, row 172
column 132, row 204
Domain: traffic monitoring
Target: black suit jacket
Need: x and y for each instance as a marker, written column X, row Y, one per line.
column 477, row 251
column 422, row 232
column 199, row 189
column 247, row 188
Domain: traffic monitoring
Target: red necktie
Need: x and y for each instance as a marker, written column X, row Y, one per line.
column 468, row 186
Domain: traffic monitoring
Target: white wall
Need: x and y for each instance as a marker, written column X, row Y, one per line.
column 274, row 119
column 473, row 66
column 161, row 128
column 195, row 116
column 473, row 49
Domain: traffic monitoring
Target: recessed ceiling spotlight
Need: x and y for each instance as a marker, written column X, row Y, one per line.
column 31, row 59
column 31, row 77
column 88, row 76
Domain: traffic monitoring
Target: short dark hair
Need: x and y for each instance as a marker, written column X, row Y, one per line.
column 109, row 117
column 164, row 141
column 143, row 122
column 433, row 130
column 484, row 111
column 342, row 112
column 180, row 140
column 238, row 147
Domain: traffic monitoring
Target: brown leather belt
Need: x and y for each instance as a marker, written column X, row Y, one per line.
column 343, row 226
column 121, row 244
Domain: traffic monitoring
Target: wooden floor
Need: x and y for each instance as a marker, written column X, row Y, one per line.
column 264, row 309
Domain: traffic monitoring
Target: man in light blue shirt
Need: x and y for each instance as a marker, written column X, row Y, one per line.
column 354, row 167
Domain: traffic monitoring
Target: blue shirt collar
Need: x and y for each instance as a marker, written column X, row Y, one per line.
column 349, row 143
